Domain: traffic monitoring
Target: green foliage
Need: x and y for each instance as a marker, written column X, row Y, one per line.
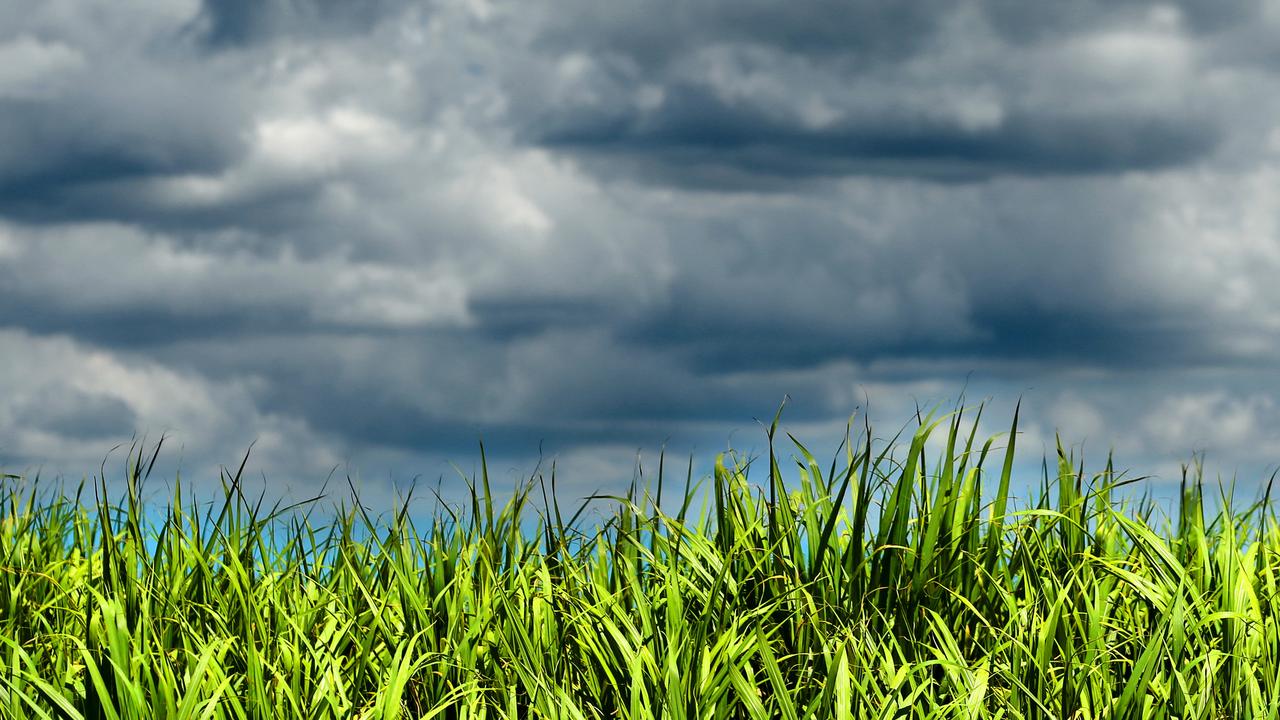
column 886, row 587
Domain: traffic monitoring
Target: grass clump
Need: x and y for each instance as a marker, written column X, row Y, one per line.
column 892, row 585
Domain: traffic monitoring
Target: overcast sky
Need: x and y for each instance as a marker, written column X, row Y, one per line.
column 367, row 234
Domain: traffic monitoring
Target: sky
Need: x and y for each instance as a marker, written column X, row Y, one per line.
column 361, row 237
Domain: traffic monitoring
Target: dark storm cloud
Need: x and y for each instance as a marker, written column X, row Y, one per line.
column 751, row 337
column 1022, row 22
column 77, row 414
column 765, row 93
column 225, row 23
column 139, row 327
column 443, row 391
column 1001, row 273
column 697, row 137
column 654, row 33
column 572, row 414
column 69, row 140
column 52, row 148
column 514, row 316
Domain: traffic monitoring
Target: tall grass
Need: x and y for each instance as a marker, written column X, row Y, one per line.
column 890, row 585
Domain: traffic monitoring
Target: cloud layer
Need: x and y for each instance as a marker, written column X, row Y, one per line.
column 367, row 235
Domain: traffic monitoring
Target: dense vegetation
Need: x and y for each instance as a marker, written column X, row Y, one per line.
column 893, row 584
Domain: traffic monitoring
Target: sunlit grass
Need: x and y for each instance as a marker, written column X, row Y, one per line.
column 889, row 585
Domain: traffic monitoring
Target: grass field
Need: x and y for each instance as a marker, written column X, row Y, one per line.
column 894, row 583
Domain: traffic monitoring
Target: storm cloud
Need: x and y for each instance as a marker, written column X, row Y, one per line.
column 368, row 235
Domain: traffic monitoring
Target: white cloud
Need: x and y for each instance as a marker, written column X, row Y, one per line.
column 31, row 69
column 111, row 270
column 1076, row 419
column 1215, row 421
column 212, row 421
